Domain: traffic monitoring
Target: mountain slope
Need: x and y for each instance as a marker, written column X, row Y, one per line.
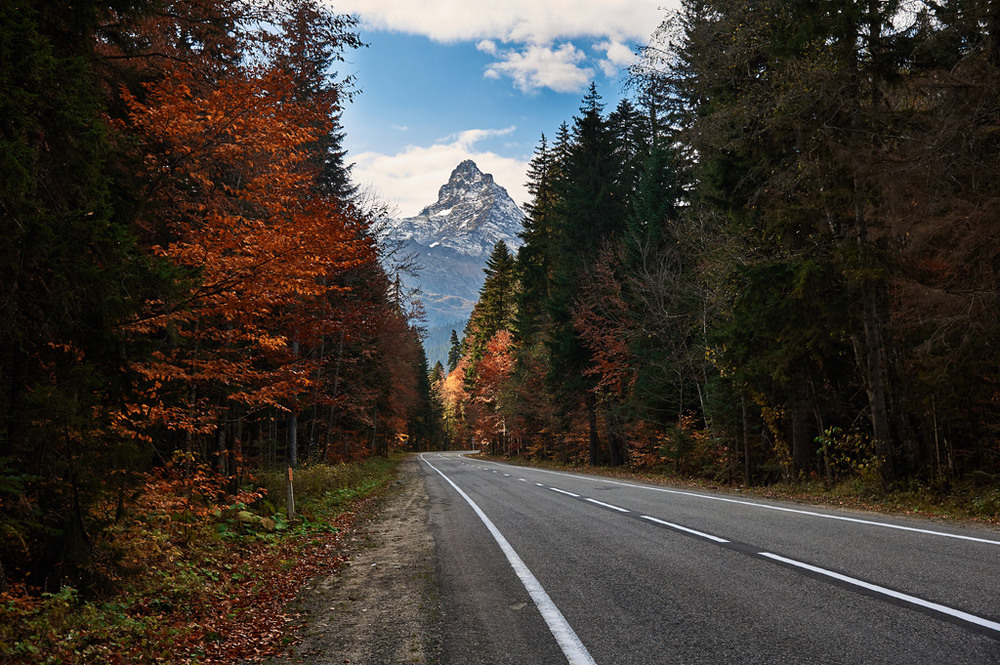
column 452, row 239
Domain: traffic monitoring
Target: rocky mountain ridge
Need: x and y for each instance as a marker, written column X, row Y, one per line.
column 471, row 214
column 452, row 238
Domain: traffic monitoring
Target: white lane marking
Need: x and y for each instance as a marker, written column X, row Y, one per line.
column 783, row 509
column 566, row 637
column 556, row 489
column 522, row 480
column 506, row 475
column 608, row 505
column 685, row 529
column 539, row 484
column 958, row 614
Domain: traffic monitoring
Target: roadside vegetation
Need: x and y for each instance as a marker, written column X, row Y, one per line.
column 198, row 573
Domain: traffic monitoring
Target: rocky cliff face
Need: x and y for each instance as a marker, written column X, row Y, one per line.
column 471, row 214
column 452, row 239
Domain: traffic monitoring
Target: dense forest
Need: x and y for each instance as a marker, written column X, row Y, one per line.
column 191, row 289
column 776, row 259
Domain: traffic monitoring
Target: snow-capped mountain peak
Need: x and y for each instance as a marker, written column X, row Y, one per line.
column 471, row 214
column 452, row 239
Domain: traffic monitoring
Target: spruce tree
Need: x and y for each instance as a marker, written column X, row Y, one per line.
column 495, row 309
column 71, row 277
column 454, row 351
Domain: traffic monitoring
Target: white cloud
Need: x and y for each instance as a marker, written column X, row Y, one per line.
column 527, row 29
column 468, row 138
column 543, row 67
column 487, row 46
column 618, row 56
column 410, row 179
column 526, row 21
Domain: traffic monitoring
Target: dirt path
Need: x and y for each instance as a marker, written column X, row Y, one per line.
column 382, row 607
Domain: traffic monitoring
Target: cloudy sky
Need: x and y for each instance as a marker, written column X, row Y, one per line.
column 448, row 80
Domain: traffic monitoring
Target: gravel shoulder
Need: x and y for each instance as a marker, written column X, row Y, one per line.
column 382, row 606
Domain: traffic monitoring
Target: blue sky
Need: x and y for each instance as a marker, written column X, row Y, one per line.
column 448, row 80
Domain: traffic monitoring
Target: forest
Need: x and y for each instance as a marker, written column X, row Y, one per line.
column 776, row 260
column 192, row 291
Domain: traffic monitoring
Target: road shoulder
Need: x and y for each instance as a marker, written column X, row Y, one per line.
column 382, row 607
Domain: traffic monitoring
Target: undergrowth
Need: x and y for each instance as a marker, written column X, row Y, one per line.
column 203, row 575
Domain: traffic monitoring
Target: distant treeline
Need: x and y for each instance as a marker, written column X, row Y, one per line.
column 778, row 259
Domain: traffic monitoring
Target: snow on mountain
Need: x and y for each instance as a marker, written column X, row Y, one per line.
column 453, row 238
column 471, row 214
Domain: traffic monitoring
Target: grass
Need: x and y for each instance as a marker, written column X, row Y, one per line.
column 203, row 586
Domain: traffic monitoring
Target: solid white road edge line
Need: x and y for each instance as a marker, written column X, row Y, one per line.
column 959, row 614
column 685, row 529
column 566, row 637
column 810, row 513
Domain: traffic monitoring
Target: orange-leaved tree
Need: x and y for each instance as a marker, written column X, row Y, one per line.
column 492, row 391
column 231, row 186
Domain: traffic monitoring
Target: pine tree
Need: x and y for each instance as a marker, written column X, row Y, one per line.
column 534, row 256
column 454, row 351
column 315, row 40
column 588, row 217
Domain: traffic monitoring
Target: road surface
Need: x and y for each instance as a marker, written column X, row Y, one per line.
column 540, row 567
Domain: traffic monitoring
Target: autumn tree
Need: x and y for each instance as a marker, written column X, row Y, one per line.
column 181, row 241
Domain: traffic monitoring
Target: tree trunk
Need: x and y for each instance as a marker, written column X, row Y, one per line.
column 238, row 449
column 875, row 370
column 799, row 403
column 595, row 442
column 221, row 451
column 616, row 448
column 746, row 442
column 374, row 427
column 873, row 360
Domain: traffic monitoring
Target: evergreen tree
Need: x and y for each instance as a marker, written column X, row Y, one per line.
column 495, row 309
column 70, row 276
column 426, row 415
column 534, row 256
column 454, row 351
column 315, row 40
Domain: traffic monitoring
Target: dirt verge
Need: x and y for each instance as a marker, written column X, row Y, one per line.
column 382, row 607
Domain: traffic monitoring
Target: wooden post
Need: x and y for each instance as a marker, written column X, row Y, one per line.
column 289, row 496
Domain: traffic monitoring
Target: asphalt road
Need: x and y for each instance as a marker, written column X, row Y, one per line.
column 540, row 567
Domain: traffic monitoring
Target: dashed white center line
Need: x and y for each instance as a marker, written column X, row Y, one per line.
column 608, row 505
column 556, row 489
column 958, row 614
column 685, row 529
